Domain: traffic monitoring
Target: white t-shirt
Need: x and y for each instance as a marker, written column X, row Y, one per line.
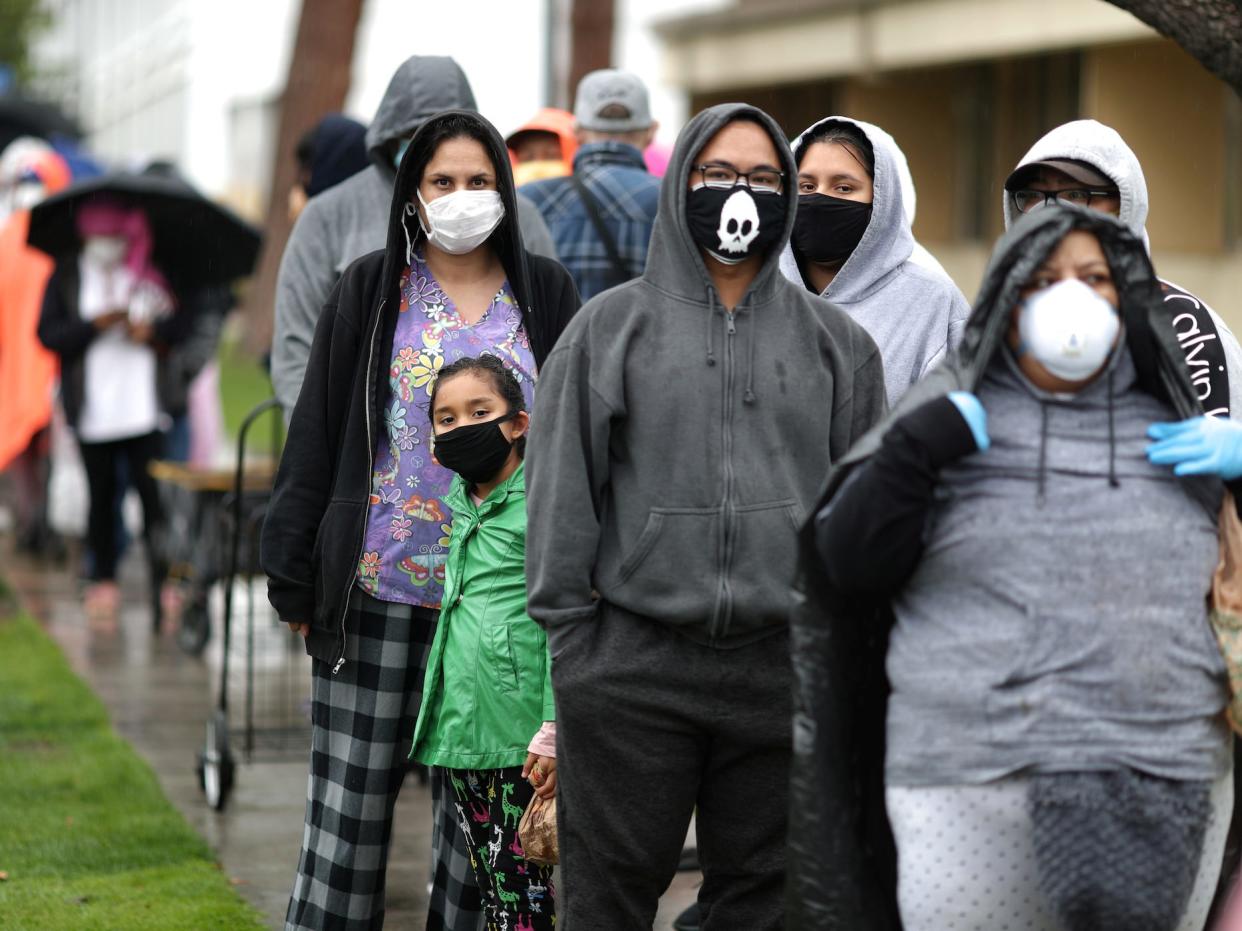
column 119, row 399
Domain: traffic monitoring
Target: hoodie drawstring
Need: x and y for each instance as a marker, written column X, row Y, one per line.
column 711, row 321
column 409, row 211
column 1112, row 437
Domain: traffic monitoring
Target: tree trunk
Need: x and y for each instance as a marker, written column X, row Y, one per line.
column 1209, row 30
column 318, row 81
column 590, row 42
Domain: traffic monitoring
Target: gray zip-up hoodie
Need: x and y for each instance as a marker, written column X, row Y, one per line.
column 677, row 446
column 913, row 312
column 1102, row 147
column 349, row 220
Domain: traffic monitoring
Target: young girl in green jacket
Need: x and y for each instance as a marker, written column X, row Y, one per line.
column 488, row 689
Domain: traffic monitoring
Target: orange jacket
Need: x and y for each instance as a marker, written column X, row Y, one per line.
column 550, row 120
column 27, row 370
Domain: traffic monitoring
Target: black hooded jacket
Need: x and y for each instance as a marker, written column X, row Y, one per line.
column 842, row 871
column 312, row 537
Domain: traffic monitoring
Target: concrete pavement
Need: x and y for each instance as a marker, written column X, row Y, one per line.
column 160, row 699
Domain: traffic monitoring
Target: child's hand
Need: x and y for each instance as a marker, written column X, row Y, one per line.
column 540, row 772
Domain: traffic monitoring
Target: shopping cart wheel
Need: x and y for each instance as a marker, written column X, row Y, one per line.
column 195, row 628
column 215, row 763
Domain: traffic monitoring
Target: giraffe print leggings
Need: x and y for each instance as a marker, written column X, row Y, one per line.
column 517, row 895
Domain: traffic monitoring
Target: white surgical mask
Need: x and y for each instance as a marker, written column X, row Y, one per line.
column 459, row 222
column 105, row 251
column 1069, row 329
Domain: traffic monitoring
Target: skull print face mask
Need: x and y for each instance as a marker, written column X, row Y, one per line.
column 734, row 224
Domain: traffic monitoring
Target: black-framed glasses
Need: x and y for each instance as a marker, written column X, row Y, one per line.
column 764, row 180
column 1027, row 200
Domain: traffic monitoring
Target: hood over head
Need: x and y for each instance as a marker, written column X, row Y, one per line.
column 337, row 151
column 1103, row 148
column 1158, row 359
column 674, row 262
column 422, row 86
column 888, row 241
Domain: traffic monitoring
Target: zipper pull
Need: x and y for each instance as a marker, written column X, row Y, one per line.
column 339, row 663
column 732, row 327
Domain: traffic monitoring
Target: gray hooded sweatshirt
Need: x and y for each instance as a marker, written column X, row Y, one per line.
column 909, row 195
column 349, row 220
column 913, row 312
column 1102, row 147
column 679, row 445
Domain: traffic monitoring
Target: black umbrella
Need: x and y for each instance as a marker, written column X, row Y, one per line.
column 22, row 116
column 196, row 242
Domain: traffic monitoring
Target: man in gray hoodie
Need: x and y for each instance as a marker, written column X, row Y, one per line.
column 349, row 220
column 1089, row 163
column 686, row 420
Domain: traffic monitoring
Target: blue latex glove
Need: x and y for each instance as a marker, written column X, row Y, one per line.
column 1199, row 446
column 975, row 416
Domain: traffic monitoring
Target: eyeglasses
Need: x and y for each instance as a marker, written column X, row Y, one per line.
column 1027, row 200
column 763, row 180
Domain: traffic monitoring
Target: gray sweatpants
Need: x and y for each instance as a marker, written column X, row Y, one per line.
column 650, row 728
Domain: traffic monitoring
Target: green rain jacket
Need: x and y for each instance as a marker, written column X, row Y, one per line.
column 488, row 687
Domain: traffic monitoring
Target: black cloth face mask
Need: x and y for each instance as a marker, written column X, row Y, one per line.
column 828, row 229
column 475, row 452
column 734, row 224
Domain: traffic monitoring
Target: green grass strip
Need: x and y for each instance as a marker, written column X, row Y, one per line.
column 87, row 838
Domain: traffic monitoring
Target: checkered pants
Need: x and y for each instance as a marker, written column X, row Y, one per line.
column 362, row 725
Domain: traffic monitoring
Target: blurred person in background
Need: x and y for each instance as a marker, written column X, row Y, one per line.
column 543, row 147
column 1012, row 554
column 330, row 152
column 852, row 244
column 350, row 220
column 1089, row 164
column 601, row 215
column 109, row 314
column 29, row 171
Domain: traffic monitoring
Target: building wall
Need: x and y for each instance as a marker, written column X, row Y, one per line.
column 1171, row 111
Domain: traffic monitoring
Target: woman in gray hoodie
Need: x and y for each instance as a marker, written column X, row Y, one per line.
column 1030, row 581
column 853, row 245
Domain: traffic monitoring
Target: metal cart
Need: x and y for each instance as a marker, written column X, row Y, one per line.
column 272, row 687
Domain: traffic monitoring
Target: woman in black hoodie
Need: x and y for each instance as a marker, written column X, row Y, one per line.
column 355, row 538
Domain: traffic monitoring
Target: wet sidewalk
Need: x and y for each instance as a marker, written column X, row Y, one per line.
column 160, row 699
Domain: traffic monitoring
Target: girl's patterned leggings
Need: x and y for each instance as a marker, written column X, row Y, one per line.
column 517, row 895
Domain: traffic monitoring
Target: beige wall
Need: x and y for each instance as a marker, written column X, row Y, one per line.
column 916, row 109
column 1172, row 113
column 824, row 40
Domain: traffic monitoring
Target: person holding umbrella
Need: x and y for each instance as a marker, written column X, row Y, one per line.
column 108, row 314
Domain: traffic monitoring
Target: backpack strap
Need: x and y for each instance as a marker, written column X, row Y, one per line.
column 620, row 270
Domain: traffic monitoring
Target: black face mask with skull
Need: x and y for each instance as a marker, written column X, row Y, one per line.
column 734, row 224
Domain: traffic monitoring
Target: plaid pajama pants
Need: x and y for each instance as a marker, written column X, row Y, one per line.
column 362, row 724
